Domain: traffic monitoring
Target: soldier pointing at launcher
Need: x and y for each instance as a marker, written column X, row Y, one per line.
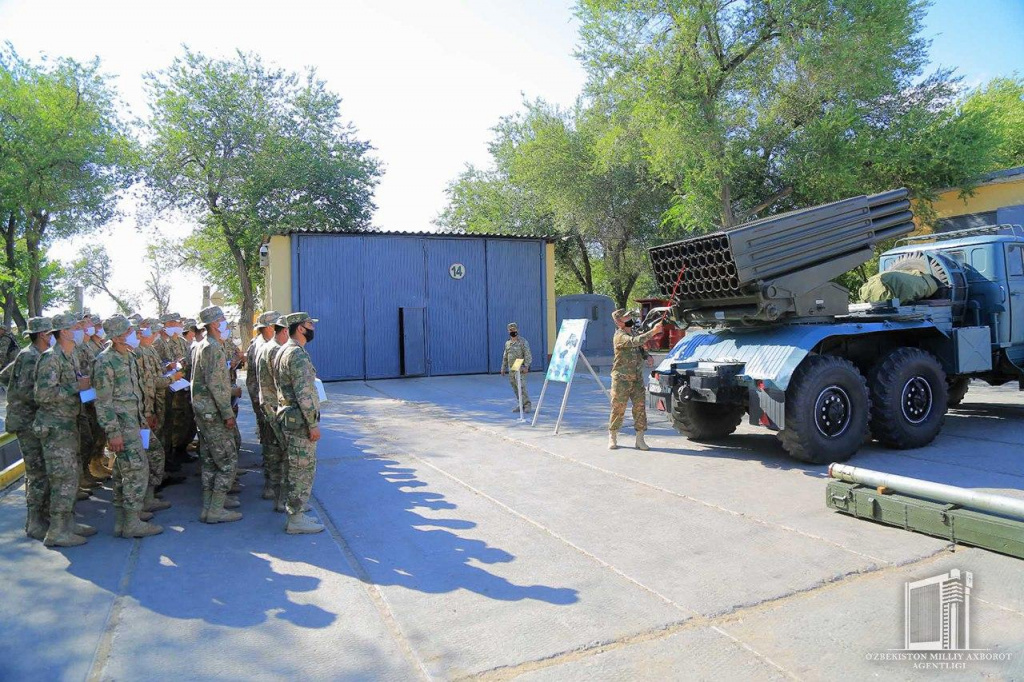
column 627, row 378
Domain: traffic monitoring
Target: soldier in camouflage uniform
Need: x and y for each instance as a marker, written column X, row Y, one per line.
column 211, row 399
column 8, row 346
column 154, row 387
column 95, row 339
column 84, row 355
column 20, row 379
column 56, row 393
column 120, row 405
column 264, row 328
column 627, row 378
column 273, row 449
column 298, row 414
column 515, row 348
column 179, row 421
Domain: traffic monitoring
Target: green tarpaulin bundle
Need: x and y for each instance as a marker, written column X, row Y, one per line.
column 906, row 286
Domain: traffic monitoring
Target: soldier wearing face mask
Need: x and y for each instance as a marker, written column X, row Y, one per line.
column 517, row 348
column 178, row 425
column 57, row 394
column 8, row 346
column 627, row 378
column 84, row 355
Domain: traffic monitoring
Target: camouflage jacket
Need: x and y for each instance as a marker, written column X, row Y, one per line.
column 211, row 385
column 252, row 381
column 231, row 352
column 298, row 403
column 629, row 354
column 85, row 354
column 515, row 349
column 264, row 371
column 119, row 396
column 171, row 349
column 154, row 383
column 8, row 348
column 21, row 402
column 56, row 389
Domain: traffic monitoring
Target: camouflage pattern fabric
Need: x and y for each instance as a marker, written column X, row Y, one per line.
column 627, row 379
column 8, row 347
column 154, row 389
column 120, row 409
column 21, row 412
column 515, row 349
column 298, row 413
column 266, row 404
column 179, row 420
column 59, row 443
column 84, row 355
column 211, row 400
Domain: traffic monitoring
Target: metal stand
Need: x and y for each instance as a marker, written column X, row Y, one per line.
column 519, row 382
column 565, row 398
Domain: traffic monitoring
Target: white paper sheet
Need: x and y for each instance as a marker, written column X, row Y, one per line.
column 144, row 433
column 88, row 395
column 179, row 385
column 320, row 390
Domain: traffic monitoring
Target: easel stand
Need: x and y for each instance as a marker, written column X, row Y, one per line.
column 565, row 398
column 519, row 382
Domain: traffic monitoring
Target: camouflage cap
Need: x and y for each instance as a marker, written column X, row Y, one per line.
column 135, row 319
column 280, row 322
column 266, row 319
column 189, row 324
column 115, row 325
column 208, row 315
column 84, row 317
column 513, row 327
column 154, row 325
column 169, row 317
column 296, row 318
column 620, row 314
column 64, row 321
column 96, row 320
column 38, row 324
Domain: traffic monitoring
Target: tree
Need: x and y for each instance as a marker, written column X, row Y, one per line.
column 249, row 150
column 747, row 108
column 158, row 288
column 92, row 270
column 64, row 156
column 1001, row 101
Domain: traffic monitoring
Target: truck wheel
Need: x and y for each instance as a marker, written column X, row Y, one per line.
column 827, row 410
column 705, row 421
column 908, row 398
column 957, row 388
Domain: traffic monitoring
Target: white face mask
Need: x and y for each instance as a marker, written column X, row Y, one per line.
column 78, row 335
column 174, row 331
column 146, row 333
column 225, row 330
column 100, row 333
column 52, row 341
column 90, row 331
column 132, row 340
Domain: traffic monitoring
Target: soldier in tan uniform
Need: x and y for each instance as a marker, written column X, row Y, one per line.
column 627, row 378
column 517, row 348
column 264, row 328
column 273, row 449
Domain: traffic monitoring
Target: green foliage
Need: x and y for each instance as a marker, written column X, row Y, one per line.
column 249, row 150
column 92, row 270
column 1001, row 102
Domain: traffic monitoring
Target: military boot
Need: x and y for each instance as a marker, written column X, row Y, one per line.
column 144, row 515
column 153, row 503
column 62, row 531
column 207, row 494
column 300, row 524
column 82, row 494
column 231, row 502
column 118, row 522
column 641, row 444
column 268, row 490
column 84, row 529
column 613, row 440
column 217, row 513
column 36, row 523
column 236, row 488
column 135, row 527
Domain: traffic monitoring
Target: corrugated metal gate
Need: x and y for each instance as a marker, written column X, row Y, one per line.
column 392, row 305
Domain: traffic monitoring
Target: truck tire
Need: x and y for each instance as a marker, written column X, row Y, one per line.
column 957, row 388
column 908, row 398
column 827, row 410
column 705, row 421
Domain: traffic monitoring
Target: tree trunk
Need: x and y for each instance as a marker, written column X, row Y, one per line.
column 10, row 300
column 33, row 237
column 728, row 215
column 588, row 272
column 248, row 302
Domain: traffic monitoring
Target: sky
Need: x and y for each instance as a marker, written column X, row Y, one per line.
column 423, row 80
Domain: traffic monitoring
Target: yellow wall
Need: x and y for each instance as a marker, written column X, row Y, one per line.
column 279, row 275
column 549, row 268
column 986, row 198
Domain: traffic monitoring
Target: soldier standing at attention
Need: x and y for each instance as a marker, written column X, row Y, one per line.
column 56, row 393
column 273, row 449
column 179, row 418
column 264, row 334
column 211, row 399
column 8, row 346
column 154, row 390
column 84, row 355
column 298, row 414
column 517, row 348
column 627, row 378
column 95, row 340
column 120, row 408
column 20, row 379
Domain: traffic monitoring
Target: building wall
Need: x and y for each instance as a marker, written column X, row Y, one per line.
column 278, row 284
column 549, row 274
column 986, row 198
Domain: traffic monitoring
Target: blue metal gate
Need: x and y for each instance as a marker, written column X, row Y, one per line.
column 456, row 306
column 393, row 278
column 330, row 287
column 515, row 293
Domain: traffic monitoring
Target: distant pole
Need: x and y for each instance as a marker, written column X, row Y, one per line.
column 206, row 297
column 79, row 299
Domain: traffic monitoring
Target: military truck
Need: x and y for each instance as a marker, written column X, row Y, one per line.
column 780, row 342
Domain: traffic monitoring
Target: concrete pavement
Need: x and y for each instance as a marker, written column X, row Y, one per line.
column 463, row 543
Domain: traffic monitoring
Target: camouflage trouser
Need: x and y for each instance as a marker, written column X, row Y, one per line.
column 156, row 453
column 85, row 441
column 301, row 468
column 37, row 484
column 623, row 391
column 274, row 460
column 60, row 453
column 512, row 381
column 179, row 421
column 131, row 471
column 218, row 455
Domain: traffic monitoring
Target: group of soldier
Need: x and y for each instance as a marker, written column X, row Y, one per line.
column 142, row 390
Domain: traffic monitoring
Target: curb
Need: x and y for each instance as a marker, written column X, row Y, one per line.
column 14, row 471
